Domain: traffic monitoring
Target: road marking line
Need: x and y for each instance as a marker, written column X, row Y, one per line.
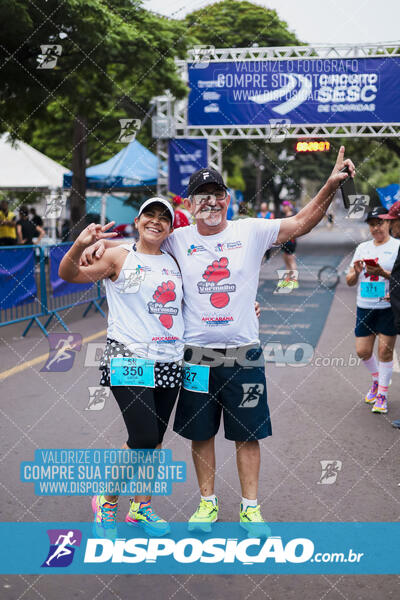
column 38, row 359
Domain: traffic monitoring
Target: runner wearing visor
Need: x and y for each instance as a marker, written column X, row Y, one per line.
column 144, row 295
column 370, row 270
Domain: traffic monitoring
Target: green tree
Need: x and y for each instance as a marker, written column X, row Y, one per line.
column 377, row 162
column 114, row 57
column 239, row 24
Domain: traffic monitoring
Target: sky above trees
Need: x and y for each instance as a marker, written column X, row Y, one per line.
column 313, row 21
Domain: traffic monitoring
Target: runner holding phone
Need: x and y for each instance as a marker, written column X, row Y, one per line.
column 370, row 268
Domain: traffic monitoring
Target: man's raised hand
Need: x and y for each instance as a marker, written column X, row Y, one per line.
column 336, row 177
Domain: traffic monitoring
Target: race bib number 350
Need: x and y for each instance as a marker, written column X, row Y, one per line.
column 130, row 371
column 196, row 378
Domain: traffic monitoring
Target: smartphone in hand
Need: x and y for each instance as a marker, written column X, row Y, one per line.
column 372, row 262
column 347, row 187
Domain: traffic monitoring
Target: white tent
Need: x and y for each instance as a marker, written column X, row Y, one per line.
column 24, row 168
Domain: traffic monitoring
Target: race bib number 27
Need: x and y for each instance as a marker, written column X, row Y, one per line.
column 196, row 378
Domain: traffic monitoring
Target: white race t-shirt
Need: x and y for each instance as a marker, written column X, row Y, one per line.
column 145, row 306
column 220, row 275
column 386, row 255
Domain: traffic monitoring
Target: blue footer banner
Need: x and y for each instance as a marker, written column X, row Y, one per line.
column 288, row 548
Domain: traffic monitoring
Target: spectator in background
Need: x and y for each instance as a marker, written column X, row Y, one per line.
column 264, row 212
column 393, row 216
column 38, row 221
column 243, row 212
column 8, row 234
column 26, row 230
column 231, row 212
column 182, row 216
column 289, row 247
column 126, row 230
column 394, row 282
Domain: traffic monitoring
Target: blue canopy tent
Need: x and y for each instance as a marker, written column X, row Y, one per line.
column 133, row 167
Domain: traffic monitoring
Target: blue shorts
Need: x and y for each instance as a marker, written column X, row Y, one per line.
column 237, row 392
column 374, row 320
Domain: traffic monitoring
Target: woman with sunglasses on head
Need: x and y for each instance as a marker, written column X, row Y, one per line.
column 144, row 295
column 370, row 268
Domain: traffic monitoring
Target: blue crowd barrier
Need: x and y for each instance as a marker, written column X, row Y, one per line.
column 30, row 288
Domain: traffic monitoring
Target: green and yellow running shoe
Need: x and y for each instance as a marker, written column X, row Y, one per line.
column 205, row 515
column 142, row 515
column 105, row 518
column 252, row 521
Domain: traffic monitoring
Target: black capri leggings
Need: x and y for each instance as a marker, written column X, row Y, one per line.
column 146, row 412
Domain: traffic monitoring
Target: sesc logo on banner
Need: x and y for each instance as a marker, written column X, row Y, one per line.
column 308, row 90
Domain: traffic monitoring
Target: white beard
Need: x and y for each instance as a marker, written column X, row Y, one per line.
column 212, row 219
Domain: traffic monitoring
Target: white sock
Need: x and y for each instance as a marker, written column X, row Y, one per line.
column 211, row 498
column 246, row 502
column 372, row 366
column 385, row 374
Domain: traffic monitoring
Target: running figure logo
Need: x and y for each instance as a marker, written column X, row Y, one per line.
column 62, row 547
column 62, row 351
column 164, row 294
column 48, row 56
column 129, row 130
column 357, row 207
column 252, row 393
column 288, row 281
column 330, row 470
column 55, row 202
column 97, row 397
column 213, row 274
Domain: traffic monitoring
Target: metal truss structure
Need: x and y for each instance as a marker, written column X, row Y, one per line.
column 171, row 121
column 343, row 51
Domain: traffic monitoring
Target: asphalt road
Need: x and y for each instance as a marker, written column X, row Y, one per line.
column 317, row 414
